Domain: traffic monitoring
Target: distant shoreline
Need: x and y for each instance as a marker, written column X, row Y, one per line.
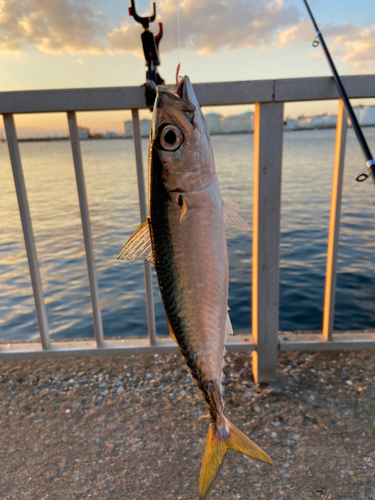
column 59, row 139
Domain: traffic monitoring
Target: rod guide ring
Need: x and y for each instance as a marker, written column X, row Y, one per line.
column 361, row 177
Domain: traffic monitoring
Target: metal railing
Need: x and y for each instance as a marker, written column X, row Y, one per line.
column 269, row 97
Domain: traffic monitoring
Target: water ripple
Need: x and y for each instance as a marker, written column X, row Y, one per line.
column 113, row 202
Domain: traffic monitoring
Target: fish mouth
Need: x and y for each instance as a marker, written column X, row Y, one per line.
column 181, row 88
column 182, row 94
column 185, row 90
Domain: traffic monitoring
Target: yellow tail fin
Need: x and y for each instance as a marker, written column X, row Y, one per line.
column 216, row 449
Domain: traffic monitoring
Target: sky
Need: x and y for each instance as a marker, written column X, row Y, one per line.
column 46, row 44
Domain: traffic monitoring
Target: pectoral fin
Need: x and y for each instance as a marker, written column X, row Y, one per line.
column 231, row 218
column 138, row 245
column 182, row 203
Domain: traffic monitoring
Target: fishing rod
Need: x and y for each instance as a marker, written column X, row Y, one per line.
column 370, row 162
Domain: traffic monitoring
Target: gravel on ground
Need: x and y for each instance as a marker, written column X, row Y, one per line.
column 134, row 428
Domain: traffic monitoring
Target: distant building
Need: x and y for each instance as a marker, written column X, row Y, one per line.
column 236, row 124
column 109, row 135
column 291, row 124
column 216, row 124
column 365, row 115
column 83, row 133
column 213, row 121
column 311, row 122
column 330, row 121
column 127, row 128
column 145, row 128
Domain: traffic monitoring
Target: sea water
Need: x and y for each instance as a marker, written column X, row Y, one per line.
column 110, row 174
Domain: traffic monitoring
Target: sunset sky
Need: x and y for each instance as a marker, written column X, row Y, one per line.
column 93, row 43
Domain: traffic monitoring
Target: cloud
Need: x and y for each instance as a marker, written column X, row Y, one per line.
column 127, row 39
column 51, row 26
column 211, row 25
column 359, row 47
column 302, row 32
column 352, row 43
column 207, row 26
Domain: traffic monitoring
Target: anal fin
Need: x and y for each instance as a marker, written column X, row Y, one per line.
column 228, row 328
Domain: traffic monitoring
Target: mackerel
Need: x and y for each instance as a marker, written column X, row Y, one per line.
column 184, row 238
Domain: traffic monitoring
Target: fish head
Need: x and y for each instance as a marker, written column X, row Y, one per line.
column 180, row 139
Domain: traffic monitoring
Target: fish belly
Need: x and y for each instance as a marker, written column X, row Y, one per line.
column 193, row 279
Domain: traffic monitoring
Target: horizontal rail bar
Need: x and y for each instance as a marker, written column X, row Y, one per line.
column 208, row 94
column 317, row 342
column 227, row 93
column 112, row 347
column 140, row 345
column 314, row 89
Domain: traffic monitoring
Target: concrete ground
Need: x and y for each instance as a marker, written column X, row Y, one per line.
column 134, row 428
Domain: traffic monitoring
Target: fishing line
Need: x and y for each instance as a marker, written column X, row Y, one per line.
column 354, row 146
column 178, row 32
column 370, row 200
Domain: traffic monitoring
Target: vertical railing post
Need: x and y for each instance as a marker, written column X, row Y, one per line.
column 334, row 223
column 143, row 212
column 85, row 217
column 23, row 204
column 268, row 141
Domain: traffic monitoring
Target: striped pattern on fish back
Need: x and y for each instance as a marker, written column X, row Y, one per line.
column 170, row 287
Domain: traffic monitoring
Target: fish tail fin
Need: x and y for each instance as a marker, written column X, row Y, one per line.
column 212, row 459
column 216, row 449
column 239, row 441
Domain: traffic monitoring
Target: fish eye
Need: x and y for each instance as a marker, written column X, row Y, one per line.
column 171, row 138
